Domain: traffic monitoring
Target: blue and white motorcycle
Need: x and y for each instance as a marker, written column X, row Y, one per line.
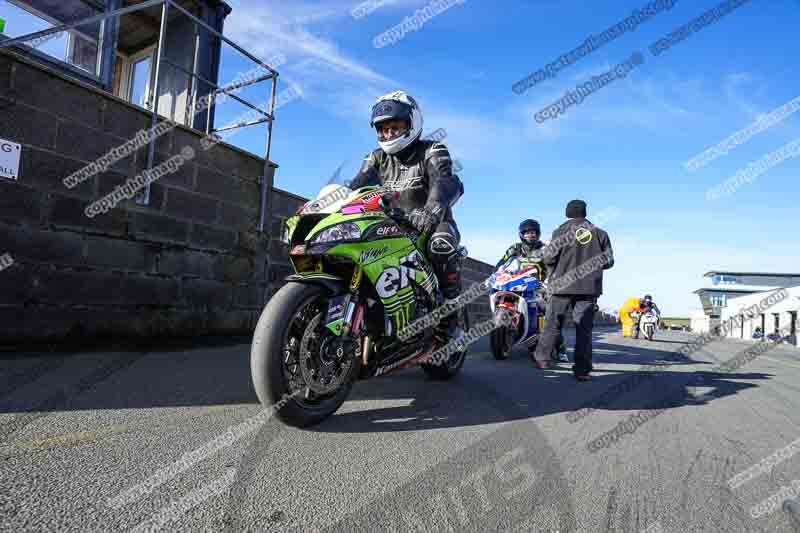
column 515, row 290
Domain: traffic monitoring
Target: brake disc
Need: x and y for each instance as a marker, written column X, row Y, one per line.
column 325, row 360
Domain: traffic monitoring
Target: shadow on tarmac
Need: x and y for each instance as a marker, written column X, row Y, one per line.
column 217, row 372
column 535, row 393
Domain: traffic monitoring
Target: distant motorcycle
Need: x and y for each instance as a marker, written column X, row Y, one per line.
column 648, row 325
column 515, row 291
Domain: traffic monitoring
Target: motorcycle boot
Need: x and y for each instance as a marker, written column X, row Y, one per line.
column 447, row 260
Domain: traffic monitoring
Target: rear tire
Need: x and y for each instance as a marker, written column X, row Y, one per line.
column 455, row 362
column 267, row 360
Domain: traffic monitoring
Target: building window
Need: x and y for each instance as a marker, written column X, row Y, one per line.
column 137, row 77
column 77, row 47
column 82, row 53
column 719, row 300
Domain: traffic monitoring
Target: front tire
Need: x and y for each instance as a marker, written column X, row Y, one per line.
column 498, row 343
column 274, row 372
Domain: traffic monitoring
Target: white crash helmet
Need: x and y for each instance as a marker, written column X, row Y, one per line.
column 397, row 106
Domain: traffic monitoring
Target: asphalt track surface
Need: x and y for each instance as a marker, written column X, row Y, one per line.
column 166, row 440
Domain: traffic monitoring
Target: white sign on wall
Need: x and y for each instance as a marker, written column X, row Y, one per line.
column 9, row 159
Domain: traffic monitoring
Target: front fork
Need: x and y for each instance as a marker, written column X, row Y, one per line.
column 345, row 315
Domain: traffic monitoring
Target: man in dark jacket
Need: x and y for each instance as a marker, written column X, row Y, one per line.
column 575, row 258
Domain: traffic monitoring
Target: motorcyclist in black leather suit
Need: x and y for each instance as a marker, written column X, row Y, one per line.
column 422, row 172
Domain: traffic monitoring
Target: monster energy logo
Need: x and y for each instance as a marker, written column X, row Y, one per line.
column 401, row 316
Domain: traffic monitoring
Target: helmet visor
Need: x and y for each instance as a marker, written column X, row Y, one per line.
column 390, row 110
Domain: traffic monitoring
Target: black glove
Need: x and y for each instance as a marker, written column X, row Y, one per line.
column 422, row 220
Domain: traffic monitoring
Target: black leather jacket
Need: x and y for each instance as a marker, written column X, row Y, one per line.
column 582, row 254
column 422, row 172
column 526, row 251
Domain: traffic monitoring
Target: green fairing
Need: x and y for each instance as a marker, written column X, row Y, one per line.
column 380, row 260
column 336, row 326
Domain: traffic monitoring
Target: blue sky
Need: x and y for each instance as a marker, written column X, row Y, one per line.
column 624, row 146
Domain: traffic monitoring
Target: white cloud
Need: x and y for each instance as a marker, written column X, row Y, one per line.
column 267, row 29
column 346, row 86
column 638, row 100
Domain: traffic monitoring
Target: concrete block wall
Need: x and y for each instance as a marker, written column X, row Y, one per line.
column 475, row 271
column 190, row 262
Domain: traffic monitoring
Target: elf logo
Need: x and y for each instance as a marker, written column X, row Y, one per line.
column 394, row 279
column 387, row 231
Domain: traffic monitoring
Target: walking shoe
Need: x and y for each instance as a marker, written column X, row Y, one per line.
column 544, row 365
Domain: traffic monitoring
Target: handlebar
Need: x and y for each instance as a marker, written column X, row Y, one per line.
column 395, row 213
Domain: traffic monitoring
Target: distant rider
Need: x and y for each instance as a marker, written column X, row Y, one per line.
column 646, row 305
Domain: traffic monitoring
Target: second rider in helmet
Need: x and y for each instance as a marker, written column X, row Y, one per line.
column 529, row 233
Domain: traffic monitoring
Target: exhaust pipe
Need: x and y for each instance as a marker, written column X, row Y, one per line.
column 366, row 350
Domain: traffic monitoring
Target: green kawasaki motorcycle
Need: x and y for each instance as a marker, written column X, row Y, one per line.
column 361, row 278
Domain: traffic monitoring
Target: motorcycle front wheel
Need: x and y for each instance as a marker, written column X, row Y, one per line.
column 497, row 344
column 296, row 364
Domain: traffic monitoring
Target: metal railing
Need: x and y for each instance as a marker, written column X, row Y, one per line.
column 267, row 180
